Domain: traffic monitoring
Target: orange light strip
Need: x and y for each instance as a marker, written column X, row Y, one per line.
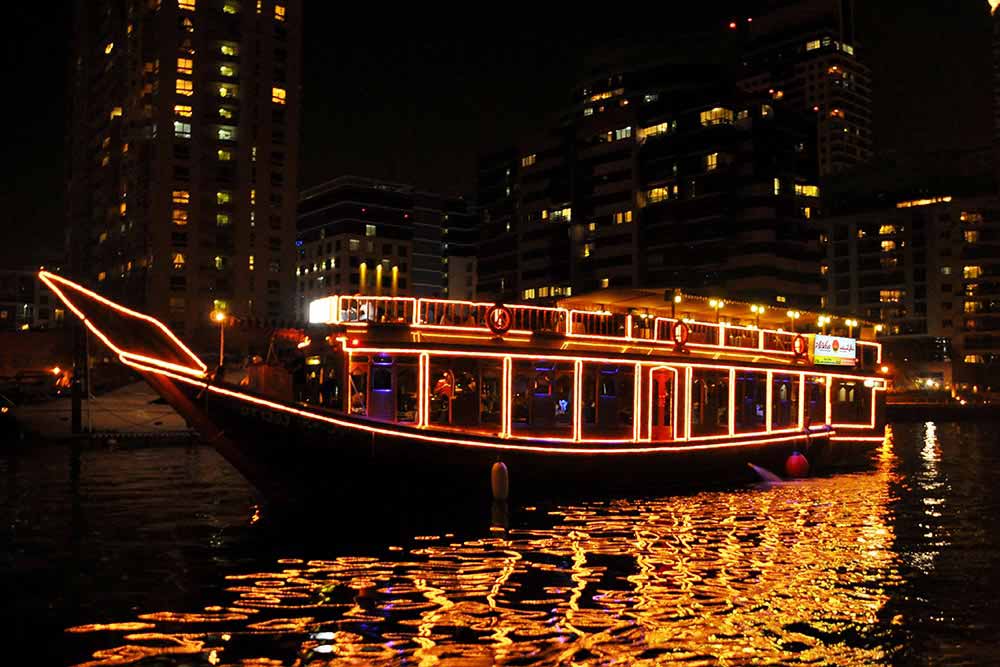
column 688, row 372
column 505, row 392
column 636, row 402
column 732, row 401
column 754, row 442
column 423, row 390
column 50, row 279
column 859, row 438
column 577, row 400
column 802, row 400
column 769, row 397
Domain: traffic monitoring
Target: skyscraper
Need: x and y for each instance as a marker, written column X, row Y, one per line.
column 806, row 54
column 184, row 153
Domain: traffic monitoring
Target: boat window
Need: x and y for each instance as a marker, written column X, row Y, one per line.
column 851, row 402
column 406, row 389
column 709, row 402
column 542, row 399
column 465, row 392
column 785, row 401
column 606, row 394
column 381, row 378
column 751, row 401
column 490, row 392
column 815, row 408
column 359, row 392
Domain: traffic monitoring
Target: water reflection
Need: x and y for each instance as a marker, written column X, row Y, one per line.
column 798, row 572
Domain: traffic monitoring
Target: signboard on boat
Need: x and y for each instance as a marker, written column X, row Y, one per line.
column 834, row 350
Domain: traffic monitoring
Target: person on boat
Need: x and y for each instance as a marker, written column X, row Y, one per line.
column 470, row 321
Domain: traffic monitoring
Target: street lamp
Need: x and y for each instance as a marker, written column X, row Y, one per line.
column 757, row 310
column 822, row 321
column 716, row 305
column 220, row 317
column 673, row 305
column 850, row 327
column 793, row 315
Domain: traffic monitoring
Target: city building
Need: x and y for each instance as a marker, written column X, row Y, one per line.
column 658, row 177
column 184, row 154
column 361, row 235
column 26, row 303
column 806, row 54
column 928, row 269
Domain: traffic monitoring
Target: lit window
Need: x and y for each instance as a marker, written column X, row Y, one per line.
column 188, row 25
column 224, row 155
column 974, row 359
column 945, row 270
column 588, row 249
column 369, row 230
column 924, row 202
column 807, row 212
column 122, row 208
column 223, row 197
column 227, row 133
column 562, row 214
column 887, row 230
column 220, row 263
column 251, row 262
column 227, row 70
column 253, row 196
column 222, row 219
column 766, row 110
column 185, row 66
column 279, row 12
column 812, row 45
column 185, row 87
column 592, row 227
column 180, row 216
column 605, row 282
column 653, row 130
column 543, row 292
column 588, row 111
column 178, row 260
column 824, row 269
column 227, row 90
column 529, row 293
column 354, row 245
column 225, row 113
column 528, row 160
column 186, row 4
column 109, row 48
column 861, row 233
column 971, row 236
column 716, row 116
column 181, row 196
column 183, row 110
column 116, row 112
column 278, row 95
column 219, row 304
column 100, row 276
column 655, row 195
column 966, row 216
column 777, row 186
column 888, row 246
column 230, row 8
column 806, row 190
column 182, row 130
column 972, row 271
column 890, row 295
column 228, row 50
column 711, row 161
column 973, row 306
column 623, row 133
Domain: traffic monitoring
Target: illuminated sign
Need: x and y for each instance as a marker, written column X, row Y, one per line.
column 321, row 310
column 834, row 350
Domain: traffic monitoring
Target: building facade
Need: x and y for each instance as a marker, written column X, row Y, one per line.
column 184, row 155
column 26, row 303
column 929, row 271
column 806, row 53
column 366, row 236
column 656, row 179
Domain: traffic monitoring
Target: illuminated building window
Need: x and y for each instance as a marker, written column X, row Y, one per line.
column 229, row 50
column 623, row 133
column 220, row 263
column 279, row 12
column 182, row 130
column 222, row 219
column 224, row 155
column 122, row 208
column 253, row 196
column 971, row 289
column 655, row 195
column 116, row 112
column 945, row 270
column 924, row 202
column 971, row 236
column 220, row 304
column 888, row 245
column 185, row 66
column 777, row 186
column 354, row 245
column 889, row 262
column 225, row 113
column 223, row 197
column 109, row 48
column 604, row 283
column 562, row 214
column 806, row 190
column 529, row 160
column 807, row 212
column 227, row 134
column 967, row 216
column 622, row 217
column 766, row 110
column 973, row 306
column 180, row 216
column 181, row 196
column 812, row 45
column 886, row 230
column 183, row 110
column 837, row 113
column 529, row 294
column 188, row 25
column 972, row 271
column 588, row 249
column 543, row 292
column 231, row 8
column 588, row 111
column 178, row 260
column 890, row 295
column 227, row 70
column 592, row 226
column 369, row 230
column 974, row 359
column 654, row 130
column 185, row 87
column 847, row 48
column 251, row 262
column 227, row 90
column 186, row 4
column 650, row 97
column 861, row 233
column 711, row 161
column 824, row 269
column 717, row 116
column 606, row 95
column 780, row 299
column 278, row 95
column 102, row 275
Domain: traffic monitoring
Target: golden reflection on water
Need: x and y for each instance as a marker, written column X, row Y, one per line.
column 793, row 572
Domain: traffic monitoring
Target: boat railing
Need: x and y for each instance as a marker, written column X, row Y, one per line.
column 745, row 338
column 779, row 341
column 598, row 323
column 377, row 309
column 469, row 314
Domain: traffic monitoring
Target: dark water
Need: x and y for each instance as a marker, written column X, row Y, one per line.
column 161, row 556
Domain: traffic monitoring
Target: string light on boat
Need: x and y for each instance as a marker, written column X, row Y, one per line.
column 822, row 321
column 716, row 305
column 757, row 310
column 792, row 316
column 851, row 323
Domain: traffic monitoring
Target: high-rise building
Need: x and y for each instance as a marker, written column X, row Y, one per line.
column 928, row 269
column 805, row 53
column 184, row 155
column 656, row 179
column 366, row 236
column 27, row 303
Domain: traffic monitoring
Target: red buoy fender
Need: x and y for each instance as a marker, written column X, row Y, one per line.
column 797, row 465
column 680, row 333
column 800, row 346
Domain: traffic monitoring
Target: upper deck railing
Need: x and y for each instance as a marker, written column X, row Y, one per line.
column 612, row 327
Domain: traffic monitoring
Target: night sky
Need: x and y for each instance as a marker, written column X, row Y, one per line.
column 415, row 98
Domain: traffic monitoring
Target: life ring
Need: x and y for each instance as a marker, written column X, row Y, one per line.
column 499, row 319
column 799, row 346
column 680, row 333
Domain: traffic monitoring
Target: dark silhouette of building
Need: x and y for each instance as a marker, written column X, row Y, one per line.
column 366, row 236
column 184, row 153
column 662, row 177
